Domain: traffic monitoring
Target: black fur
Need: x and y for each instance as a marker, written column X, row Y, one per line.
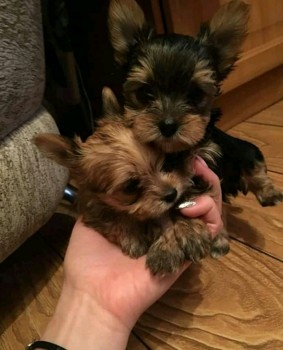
column 172, row 82
column 173, row 59
column 238, row 158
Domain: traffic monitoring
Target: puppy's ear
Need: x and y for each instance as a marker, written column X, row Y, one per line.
column 127, row 27
column 225, row 33
column 110, row 104
column 62, row 150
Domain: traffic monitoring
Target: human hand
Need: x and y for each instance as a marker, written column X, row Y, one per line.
column 105, row 291
column 121, row 285
column 207, row 208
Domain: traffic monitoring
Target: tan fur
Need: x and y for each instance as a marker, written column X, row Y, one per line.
column 60, row 149
column 140, row 220
column 227, row 32
column 259, row 183
column 192, row 129
column 203, row 75
column 110, row 104
column 145, row 127
column 210, row 152
column 224, row 35
column 141, row 73
column 125, row 19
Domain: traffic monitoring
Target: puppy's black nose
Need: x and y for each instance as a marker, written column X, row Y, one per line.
column 168, row 127
column 170, row 195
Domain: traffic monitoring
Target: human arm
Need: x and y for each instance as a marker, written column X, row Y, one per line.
column 104, row 292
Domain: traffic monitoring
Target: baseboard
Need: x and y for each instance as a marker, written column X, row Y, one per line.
column 243, row 102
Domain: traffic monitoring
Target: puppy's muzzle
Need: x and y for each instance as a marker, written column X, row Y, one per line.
column 170, row 195
column 168, row 127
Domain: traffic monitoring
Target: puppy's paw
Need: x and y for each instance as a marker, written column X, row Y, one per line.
column 193, row 238
column 220, row 245
column 134, row 247
column 162, row 260
column 269, row 197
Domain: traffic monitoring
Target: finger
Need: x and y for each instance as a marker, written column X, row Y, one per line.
column 206, row 209
column 202, row 170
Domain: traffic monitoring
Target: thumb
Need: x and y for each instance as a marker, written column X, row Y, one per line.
column 205, row 208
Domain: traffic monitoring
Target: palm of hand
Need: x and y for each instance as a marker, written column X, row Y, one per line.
column 120, row 285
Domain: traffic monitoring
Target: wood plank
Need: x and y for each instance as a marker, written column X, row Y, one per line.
column 157, row 17
column 57, row 231
column 31, row 280
column 270, row 116
column 232, row 303
column 250, row 98
column 268, row 138
column 58, row 239
column 261, row 228
column 263, row 47
column 254, row 63
column 265, row 23
column 135, row 344
column 185, row 16
column 157, row 343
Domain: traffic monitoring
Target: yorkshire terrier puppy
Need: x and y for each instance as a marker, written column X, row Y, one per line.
column 126, row 195
column 171, row 83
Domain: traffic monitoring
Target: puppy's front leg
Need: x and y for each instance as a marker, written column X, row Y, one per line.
column 165, row 255
column 133, row 244
column 220, row 245
column 194, row 238
column 181, row 239
column 258, row 182
column 131, row 236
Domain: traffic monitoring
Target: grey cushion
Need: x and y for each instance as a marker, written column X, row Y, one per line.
column 31, row 185
column 21, row 62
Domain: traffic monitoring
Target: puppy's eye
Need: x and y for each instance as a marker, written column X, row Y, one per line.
column 131, row 186
column 196, row 96
column 144, row 94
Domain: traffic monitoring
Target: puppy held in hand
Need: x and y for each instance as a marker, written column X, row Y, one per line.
column 126, row 194
column 171, row 83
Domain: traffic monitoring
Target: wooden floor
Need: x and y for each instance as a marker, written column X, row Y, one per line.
column 229, row 304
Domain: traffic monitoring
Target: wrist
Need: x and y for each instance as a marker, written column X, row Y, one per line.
column 79, row 323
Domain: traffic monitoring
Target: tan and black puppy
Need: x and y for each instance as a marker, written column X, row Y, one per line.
column 126, row 195
column 172, row 82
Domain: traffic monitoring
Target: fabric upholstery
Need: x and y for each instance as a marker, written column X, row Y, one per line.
column 21, row 62
column 31, row 185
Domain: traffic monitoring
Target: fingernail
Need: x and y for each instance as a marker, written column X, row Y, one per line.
column 202, row 161
column 187, row 204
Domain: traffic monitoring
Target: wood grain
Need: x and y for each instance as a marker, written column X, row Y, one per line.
column 31, row 281
column 57, row 231
column 135, row 344
column 270, row 116
column 265, row 23
column 262, row 50
column 260, row 228
column 268, row 139
column 185, row 16
column 256, row 62
column 250, row 98
column 157, row 17
column 233, row 303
